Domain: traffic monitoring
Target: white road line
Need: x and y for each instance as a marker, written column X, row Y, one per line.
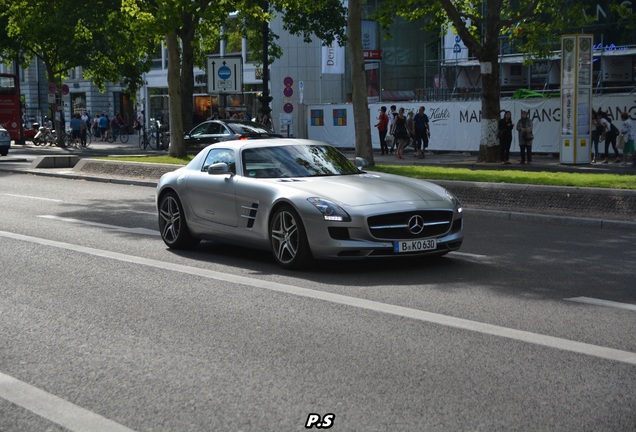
column 143, row 231
column 599, row 302
column 33, row 197
column 55, row 409
column 444, row 320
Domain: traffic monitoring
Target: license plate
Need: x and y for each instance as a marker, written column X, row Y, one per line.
column 414, row 245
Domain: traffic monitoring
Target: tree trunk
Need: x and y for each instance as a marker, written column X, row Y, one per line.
column 187, row 72
column 57, row 125
column 491, row 87
column 177, row 145
column 363, row 145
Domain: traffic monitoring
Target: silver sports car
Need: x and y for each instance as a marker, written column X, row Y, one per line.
column 303, row 199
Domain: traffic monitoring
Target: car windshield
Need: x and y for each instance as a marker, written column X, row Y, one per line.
column 296, row 161
column 249, row 128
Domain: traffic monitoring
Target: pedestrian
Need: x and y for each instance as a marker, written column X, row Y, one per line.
column 524, row 126
column 96, row 126
column 103, row 126
column 383, row 127
column 392, row 115
column 401, row 133
column 627, row 135
column 267, row 122
column 76, row 130
column 504, row 133
column 421, row 132
column 597, row 129
column 83, row 129
column 141, row 124
column 611, row 133
column 410, row 128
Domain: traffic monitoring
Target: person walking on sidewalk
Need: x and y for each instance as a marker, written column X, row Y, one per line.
column 611, row 132
column 627, row 131
column 401, row 133
column 504, row 133
column 383, row 128
column 597, row 130
column 421, row 132
column 524, row 126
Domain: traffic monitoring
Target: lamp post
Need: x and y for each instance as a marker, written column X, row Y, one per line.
column 265, row 98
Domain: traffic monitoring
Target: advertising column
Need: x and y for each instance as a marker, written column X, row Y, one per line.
column 576, row 98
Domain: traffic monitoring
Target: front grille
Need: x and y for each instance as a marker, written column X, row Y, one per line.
column 407, row 225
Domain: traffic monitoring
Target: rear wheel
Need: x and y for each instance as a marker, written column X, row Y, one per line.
column 123, row 136
column 172, row 223
column 288, row 239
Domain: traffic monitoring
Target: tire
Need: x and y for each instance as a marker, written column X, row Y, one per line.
column 172, row 223
column 4, row 152
column 142, row 142
column 288, row 239
column 110, row 137
column 123, row 136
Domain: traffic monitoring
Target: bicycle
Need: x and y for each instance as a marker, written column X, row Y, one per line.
column 122, row 134
column 143, row 139
column 69, row 141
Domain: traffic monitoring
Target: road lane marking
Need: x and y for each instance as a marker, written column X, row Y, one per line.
column 33, row 197
column 54, row 408
column 599, row 302
column 143, row 231
column 430, row 317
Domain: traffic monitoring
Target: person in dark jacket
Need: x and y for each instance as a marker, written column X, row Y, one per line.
column 504, row 133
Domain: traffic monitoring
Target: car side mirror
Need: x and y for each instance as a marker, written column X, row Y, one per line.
column 360, row 162
column 219, row 168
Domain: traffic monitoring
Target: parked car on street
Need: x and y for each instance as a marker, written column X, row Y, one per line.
column 303, row 199
column 213, row 131
column 5, row 141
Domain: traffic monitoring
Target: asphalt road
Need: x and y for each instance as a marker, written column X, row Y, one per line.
column 530, row 327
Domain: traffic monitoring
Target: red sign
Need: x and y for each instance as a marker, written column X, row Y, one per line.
column 65, row 89
column 288, row 108
column 373, row 54
column 288, row 91
column 288, row 81
column 52, row 88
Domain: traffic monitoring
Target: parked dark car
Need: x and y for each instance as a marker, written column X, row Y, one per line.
column 213, row 131
column 5, row 141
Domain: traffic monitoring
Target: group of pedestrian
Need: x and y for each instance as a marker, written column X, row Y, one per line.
column 602, row 129
column 403, row 130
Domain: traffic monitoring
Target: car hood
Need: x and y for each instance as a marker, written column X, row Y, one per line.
column 370, row 189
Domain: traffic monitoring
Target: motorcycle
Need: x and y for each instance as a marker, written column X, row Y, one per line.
column 44, row 136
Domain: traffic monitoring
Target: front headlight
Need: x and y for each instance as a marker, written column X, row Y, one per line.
column 455, row 201
column 330, row 211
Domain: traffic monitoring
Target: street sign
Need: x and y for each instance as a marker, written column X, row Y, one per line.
column 65, row 89
column 288, row 108
column 288, row 92
column 225, row 75
column 288, row 81
column 52, row 88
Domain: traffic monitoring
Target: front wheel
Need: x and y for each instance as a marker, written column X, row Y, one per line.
column 172, row 223
column 123, row 136
column 288, row 239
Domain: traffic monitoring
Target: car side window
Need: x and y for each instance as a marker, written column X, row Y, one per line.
column 217, row 155
column 199, row 130
column 224, row 130
column 214, row 129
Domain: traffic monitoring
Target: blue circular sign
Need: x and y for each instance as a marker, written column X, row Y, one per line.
column 288, row 108
column 225, row 72
column 288, row 92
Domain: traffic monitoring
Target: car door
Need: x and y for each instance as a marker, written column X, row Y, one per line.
column 204, row 134
column 212, row 197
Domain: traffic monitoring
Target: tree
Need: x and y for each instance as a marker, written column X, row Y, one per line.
column 191, row 30
column 364, row 147
column 533, row 26
column 64, row 36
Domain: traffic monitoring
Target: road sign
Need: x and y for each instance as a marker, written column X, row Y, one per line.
column 288, row 81
column 288, row 92
column 288, row 108
column 65, row 89
column 52, row 88
column 225, row 75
